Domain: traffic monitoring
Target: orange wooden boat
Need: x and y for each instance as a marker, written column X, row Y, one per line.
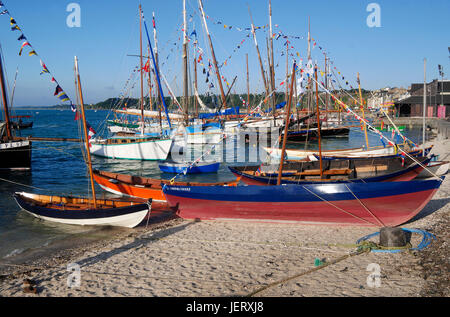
column 143, row 187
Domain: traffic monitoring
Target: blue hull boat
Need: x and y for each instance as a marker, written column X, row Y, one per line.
column 187, row 168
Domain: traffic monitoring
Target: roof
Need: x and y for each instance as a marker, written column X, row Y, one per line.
column 412, row 100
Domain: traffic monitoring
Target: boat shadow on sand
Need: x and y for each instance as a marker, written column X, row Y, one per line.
column 433, row 206
column 136, row 244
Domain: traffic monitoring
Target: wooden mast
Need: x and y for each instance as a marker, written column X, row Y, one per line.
column 141, row 70
column 80, row 92
column 195, row 85
column 259, row 55
column 288, row 110
column 287, row 69
column 362, row 110
column 159, row 98
column 224, row 102
column 248, row 86
column 326, row 92
column 185, row 67
column 5, row 100
column 424, row 101
column 271, row 62
column 318, row 123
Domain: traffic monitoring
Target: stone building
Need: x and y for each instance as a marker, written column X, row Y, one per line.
column 437, row 100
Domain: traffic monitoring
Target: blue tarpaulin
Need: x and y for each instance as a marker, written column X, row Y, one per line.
column 279, row 106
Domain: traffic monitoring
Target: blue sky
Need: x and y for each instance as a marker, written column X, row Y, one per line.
column 391, row 55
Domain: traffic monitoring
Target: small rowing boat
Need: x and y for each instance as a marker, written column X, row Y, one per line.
column 81, row 211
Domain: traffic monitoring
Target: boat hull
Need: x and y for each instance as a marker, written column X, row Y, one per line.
column 129, row 216
column 15, row 155
column 146, row 150
column 194, row 169
column 378, row 204
column 437, row 168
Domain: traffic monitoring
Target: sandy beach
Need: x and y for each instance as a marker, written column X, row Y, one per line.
column 177, row 257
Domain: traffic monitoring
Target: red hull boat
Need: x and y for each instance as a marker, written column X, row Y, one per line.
column 362, row 204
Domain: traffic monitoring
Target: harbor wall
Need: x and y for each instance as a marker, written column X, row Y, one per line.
column 441, row 126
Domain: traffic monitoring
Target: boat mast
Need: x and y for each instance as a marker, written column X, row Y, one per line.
column 80, row 92
column 287, row 69
column 259, row 54
column 195, row 80
column 142, row 72
column 248, row 86
column 326, row 90
column 309, row 59
column 318, row 123
column 156, row 62
column 11, row 102
column 424, row 101
column 288, row 110
column 271, row 62
column 5, row 100
column 362, row 109
column 224, row 102
column 185, row 67
column 150, row 98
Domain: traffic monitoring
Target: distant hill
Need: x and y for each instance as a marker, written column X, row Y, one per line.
column 211, row 101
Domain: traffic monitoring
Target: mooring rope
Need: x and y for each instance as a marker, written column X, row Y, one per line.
column 337, row 260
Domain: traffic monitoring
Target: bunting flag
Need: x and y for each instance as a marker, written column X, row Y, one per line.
column 91, row 132
column 23, row 45
column 44, row 68
column 146, row 66
column 63, row 97
column 57, row 90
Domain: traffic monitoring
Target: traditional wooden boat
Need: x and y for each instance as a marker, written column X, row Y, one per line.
column 14, row 155
column 334, row 171
column 189, row 168
column 413, row 153
column 142, row 187
column 208, row 133
column 19, row 125
column 84, row 211
column 132, row 148
column 138, row 147
column 81, row 211
column 298, row 155
column 361, row 204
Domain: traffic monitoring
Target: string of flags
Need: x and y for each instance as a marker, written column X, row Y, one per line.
column 59, row 92
column 231, row 27
column 370, row 128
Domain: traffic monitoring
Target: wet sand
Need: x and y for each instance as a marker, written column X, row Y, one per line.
column 177, row 257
